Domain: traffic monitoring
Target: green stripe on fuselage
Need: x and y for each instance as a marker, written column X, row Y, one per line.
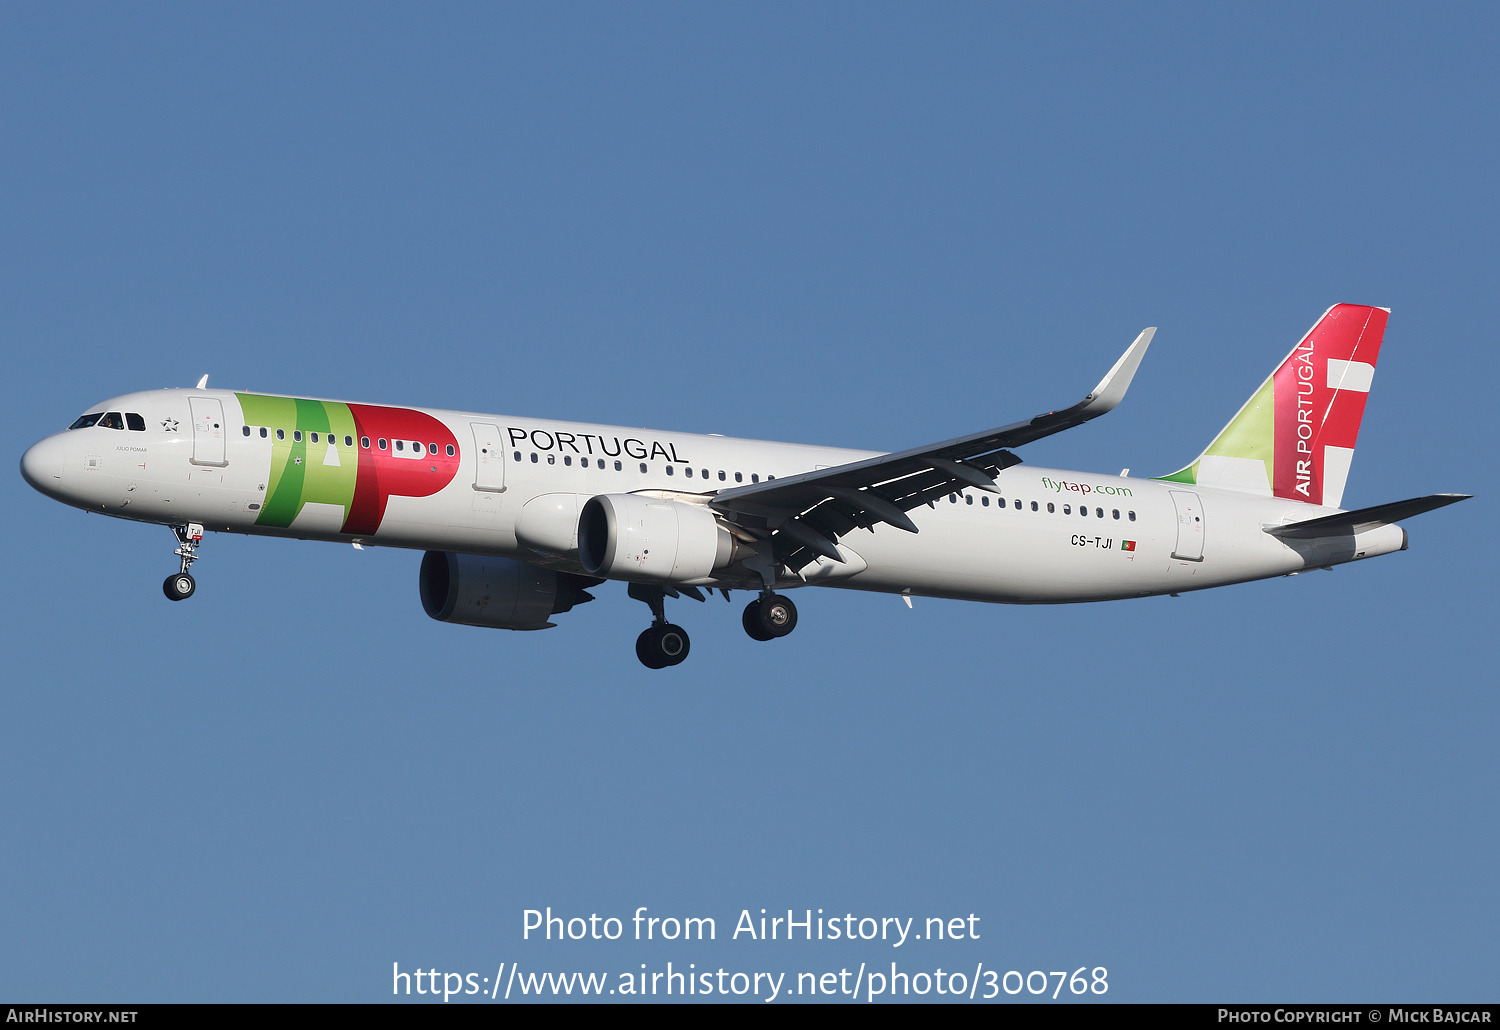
column 301, row 471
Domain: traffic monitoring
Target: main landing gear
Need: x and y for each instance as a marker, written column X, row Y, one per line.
column 662, row 644
column 180, row 585
column 769, row 616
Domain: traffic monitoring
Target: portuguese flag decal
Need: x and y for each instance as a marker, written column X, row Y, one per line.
column 1127, row 545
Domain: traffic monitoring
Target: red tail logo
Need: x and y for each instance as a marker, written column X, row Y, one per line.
column 1320, row 393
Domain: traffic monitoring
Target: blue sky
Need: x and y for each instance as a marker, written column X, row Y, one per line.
column 861, row 225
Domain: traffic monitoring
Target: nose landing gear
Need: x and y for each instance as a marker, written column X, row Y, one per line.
column 769, row 616
column 180, row 585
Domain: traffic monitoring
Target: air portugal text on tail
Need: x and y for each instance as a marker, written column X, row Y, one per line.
column 1295, row 437
column 521, row 517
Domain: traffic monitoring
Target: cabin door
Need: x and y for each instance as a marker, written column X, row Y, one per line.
column 1189, row 526
column 208, row 431
column 489, row 458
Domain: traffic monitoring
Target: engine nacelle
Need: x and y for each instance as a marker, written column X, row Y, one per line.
column 500, row 593
column 626, row 536
column 549, row 524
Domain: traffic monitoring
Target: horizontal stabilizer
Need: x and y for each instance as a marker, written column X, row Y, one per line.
column 1365, row 518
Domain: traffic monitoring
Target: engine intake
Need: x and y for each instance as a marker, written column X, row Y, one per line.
column 627, row 536
column 499, row 593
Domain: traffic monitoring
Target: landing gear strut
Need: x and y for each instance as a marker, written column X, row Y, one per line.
column 180, row 585
column 769, row 616
column 662, row 644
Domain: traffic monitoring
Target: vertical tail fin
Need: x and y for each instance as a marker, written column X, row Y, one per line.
column 1295, row 436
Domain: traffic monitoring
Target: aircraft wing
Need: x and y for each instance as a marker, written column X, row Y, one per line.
column 807, row 513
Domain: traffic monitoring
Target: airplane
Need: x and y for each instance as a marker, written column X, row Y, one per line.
column 520, row 517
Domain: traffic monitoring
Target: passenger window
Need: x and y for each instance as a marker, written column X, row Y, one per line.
column 113, row 420
column 348, row 441
column 670, row 470
column 296, row 436
column 364, row 442
column 968, row 498
column 281, row 435
column 84, row 421
column 451, row 451
column 567, row 459
column 1098, row 513
column 1033, row 505
column 1050, row 507
column 584, row 462
column 769, row 478
column 518, row 455
column 1115, row 512
column 619, row 467
column 314, row 437
column 1132, row 516
column 755, row 477
column 263, row 433
column 985, row 500
column 432, row 448
column 138, row 424
column 688, row 472
column 1067, row 509
column 246, row 431
column 400, row 445
column 704, row 473
column 739, row 477
column 381, row 442
column 533, row 457
column 721, row 475
column 551, row 459
column 643, row 468
column 1018, row 504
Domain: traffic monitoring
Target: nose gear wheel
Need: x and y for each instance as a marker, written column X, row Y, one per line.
column 179, row 586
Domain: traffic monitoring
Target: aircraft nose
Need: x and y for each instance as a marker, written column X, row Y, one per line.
column 42, row 465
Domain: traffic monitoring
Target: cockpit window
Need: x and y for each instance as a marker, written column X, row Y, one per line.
column 84, row 421
column 112, row 420
column 135, row 422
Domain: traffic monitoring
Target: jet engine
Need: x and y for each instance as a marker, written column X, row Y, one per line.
column 627, row 536
column 500, row 593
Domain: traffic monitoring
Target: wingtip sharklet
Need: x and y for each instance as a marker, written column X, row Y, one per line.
column 1111, row 389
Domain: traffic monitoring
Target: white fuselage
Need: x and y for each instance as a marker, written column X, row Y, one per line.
column 1030, row 543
